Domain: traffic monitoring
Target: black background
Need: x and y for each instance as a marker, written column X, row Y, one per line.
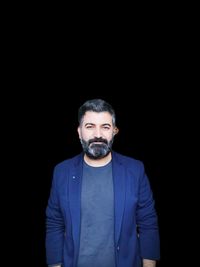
column 141, row 65
column 43, row 133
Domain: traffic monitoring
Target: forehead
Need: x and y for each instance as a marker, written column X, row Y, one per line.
column 97, row 117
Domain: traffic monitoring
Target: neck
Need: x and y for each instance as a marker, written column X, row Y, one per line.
column 98, row 162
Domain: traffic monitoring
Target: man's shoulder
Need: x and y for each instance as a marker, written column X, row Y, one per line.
column 127, row 160
column 68, row 162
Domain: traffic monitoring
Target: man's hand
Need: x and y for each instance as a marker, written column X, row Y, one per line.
column 149, row 263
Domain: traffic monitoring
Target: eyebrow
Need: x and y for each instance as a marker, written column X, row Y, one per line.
column 104, row 124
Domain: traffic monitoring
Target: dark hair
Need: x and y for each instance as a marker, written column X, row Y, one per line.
column 96, row 105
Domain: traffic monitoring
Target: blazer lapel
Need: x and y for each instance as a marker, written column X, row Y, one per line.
column 75, row 201
column 119, row 195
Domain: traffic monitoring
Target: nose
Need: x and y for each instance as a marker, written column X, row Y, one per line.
column 97, row 132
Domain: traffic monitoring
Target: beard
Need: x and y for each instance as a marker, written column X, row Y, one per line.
column 97, row 151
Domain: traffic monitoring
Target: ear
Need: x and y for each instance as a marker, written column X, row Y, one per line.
column 116, row 130
column 79, row 132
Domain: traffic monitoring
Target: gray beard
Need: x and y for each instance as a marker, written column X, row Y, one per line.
column 96, row 151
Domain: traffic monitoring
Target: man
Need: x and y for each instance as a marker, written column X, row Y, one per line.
column 100, row 212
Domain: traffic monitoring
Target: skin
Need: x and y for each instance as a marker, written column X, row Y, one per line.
column 149, row 263
column 97, row 125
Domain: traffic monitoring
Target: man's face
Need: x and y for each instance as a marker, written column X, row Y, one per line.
column 96, row 134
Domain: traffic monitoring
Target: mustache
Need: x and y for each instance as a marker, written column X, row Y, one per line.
column 96, row 139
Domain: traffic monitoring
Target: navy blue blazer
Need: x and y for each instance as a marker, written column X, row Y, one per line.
column 136, row 224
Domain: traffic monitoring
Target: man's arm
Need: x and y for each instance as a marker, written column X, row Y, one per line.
column 147, row 223
column 149, row 263
column 55, row 226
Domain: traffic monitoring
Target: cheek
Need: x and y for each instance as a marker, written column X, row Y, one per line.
column 110, row 136
column 85, row 136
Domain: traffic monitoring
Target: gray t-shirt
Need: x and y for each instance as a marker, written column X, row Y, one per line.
column 97, row 218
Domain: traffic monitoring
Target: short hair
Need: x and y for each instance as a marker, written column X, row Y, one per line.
column 96, row 105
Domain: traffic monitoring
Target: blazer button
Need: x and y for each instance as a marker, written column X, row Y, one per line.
column 118, row 248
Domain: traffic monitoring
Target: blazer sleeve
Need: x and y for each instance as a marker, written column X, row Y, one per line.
column 147, row 221
column 54, row 225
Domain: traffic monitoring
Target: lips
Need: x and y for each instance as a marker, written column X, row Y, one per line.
column 98, row 141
